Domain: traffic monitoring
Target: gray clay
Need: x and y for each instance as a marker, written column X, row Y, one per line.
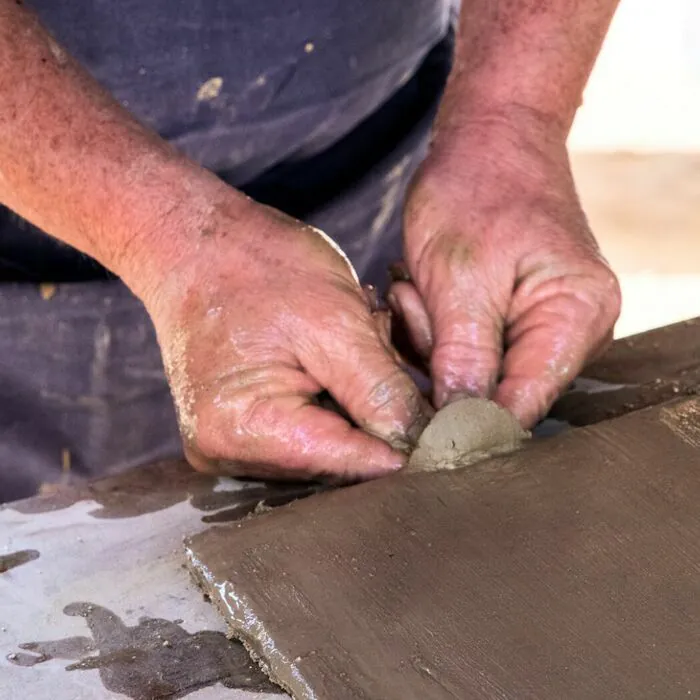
column 465, row 432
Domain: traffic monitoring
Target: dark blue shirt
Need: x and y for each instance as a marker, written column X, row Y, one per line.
column 241, row 86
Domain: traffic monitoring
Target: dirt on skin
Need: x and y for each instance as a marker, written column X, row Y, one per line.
column 465, row 432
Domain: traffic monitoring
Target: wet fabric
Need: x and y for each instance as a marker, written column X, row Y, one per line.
column 334, row 142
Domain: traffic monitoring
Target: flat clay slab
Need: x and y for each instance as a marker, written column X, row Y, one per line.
column 636, row 372
column 569, row 570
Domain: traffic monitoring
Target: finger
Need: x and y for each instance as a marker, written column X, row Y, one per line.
column 599, row 350
column 466, row 292
column 288, row 437
column 468, row 334
column 548, row 349
column 365, row 378
column 407, row 304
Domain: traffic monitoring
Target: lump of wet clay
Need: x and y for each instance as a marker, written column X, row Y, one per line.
column 465, row 432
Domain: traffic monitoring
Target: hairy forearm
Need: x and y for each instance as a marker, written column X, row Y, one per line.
column 76, row 164
column 524, row 56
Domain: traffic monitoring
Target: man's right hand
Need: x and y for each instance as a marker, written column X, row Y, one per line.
column 259, row 314
column 255, row 313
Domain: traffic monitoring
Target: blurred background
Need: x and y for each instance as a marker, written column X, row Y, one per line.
column 636, row 157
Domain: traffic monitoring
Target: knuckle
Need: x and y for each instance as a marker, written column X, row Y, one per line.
column 448, row 257
column 241, row 416
column 464, row 351
column 386, row 392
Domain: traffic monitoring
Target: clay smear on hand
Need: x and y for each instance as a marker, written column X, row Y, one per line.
column 465, row 432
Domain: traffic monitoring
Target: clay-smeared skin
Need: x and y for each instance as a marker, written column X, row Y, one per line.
column 497, row 245
column 253, row 326
column 464, row 432
column 568, row 569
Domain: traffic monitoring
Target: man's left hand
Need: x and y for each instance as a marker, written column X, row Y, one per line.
column 510, row 296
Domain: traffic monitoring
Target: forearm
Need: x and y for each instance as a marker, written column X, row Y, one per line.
column 524, row 57
column 76, row 164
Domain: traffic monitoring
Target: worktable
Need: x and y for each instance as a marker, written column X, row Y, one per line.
column 100, row 567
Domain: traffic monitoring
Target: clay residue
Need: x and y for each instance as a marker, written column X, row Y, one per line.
column 465, row 432
column 246, row 627
column 175, row 364
column 210, row 89
column 684, row 420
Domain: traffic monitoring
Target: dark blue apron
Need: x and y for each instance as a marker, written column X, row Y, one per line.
column 318, row 107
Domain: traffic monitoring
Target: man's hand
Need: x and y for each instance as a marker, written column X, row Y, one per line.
column 260, row 315
column 255, row 313
column 511, row 295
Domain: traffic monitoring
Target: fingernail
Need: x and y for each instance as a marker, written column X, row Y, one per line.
column 398, row 442
column 398, row 272
column 406, row 441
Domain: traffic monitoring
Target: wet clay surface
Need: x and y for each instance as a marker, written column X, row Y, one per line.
column 10, row 561
column 154, row 659
column 569, row 569
column 465, row 432
column 635, row 373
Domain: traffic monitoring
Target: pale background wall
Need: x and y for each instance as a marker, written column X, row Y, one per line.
column 644, row 93
column 636, row 155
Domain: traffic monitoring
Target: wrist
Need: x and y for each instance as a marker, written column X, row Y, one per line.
column 494, row 123
column 510, row 144
column 165, row 223
column 536, row 56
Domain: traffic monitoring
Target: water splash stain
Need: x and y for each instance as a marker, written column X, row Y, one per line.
column 10, row 561
column 154, row 659
column 159, row 486
column 69, row 648
column 225, row 506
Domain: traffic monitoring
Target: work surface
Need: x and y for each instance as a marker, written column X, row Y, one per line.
column 100, row 569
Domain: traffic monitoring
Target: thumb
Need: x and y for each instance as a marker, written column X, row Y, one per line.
column 547, row 349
